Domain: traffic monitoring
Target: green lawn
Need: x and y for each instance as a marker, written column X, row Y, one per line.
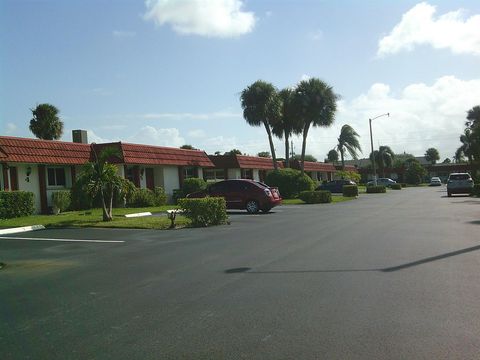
column 93, row 218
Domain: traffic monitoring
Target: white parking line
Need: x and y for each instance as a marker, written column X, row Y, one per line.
column 61, row 240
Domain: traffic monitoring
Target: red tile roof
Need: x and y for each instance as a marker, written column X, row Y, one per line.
column 243, row 162
column 23, row 150
column 318, row 166
column 156, row 155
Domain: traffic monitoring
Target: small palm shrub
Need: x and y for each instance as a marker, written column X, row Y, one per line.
column 350, row 190
column 61, row 200
column 376, row 189
column 316, row 197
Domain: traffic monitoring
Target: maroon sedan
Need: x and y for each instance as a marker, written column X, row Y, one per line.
column 243, row 194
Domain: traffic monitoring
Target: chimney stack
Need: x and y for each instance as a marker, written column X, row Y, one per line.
column 80, row 136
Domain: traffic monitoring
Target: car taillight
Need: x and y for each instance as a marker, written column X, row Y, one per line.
column 268, row 192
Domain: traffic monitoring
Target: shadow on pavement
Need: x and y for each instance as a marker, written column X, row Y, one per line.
column 388, row 269
column 474, row 222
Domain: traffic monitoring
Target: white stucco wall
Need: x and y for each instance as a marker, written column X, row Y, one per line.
column 256, row 175
column 143, row 178
column 32, row 185
column 200, row 173
column 170, row 180
column 158, row 176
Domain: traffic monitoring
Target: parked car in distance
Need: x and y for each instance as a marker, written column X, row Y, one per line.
column 459, row 183
column 435, row 181
column 383, row 181
column 335, row 186
column 245, row 194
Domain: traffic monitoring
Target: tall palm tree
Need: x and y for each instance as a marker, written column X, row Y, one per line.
column 468, row 145
column 262, row 106
column 287, row 123
column 383, row 158
column 473, row 117
column 348, row 141
column 315, row 104
column 45, row 123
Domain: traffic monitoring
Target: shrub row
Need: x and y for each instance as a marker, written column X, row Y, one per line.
column 350, row 190
column 204, row 212
column 15, row 204
column 376, row 189
column 189, row 186
column 147, row 197
column 396, row 186
column 316, row 197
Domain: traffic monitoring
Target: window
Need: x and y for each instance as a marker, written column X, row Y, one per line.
column 56, row 177
column 247, row 174
column 189, row 172
column 129, row 174
column 213, row 174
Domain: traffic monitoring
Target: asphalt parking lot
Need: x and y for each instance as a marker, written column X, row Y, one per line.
column 384, row 276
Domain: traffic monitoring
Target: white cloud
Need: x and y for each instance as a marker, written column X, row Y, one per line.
column 421, row 116
column 10, row 128
column 159, row 137
column 123, row 34
column 211, row 18
column 419, row 27
column 196, row 133
column 190, row 116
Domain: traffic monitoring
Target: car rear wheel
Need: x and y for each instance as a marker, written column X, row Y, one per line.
column 266, row 209
column 252, row 206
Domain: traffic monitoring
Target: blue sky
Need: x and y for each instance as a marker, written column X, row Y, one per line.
column 170, row 72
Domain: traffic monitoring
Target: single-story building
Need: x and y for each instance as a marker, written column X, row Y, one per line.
column 318, row 171
column 236, row 166
column 45, row 166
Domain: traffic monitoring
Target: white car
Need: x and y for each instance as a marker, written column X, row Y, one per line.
column 459, row 183
column 435, row 181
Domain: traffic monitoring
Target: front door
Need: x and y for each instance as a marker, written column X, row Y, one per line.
column 149, row 178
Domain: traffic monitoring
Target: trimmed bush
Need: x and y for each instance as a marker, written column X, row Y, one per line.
column 62, row 200
column 79, row 198
column 290, row 182
column 15, row 204
column 376, row 189
column 204, row 212
column 404, row 185
column 160, row 196
column 396, row 186
column 476, row 190
column 192, row 185
column 141, row 198
column 316, row 197
column 350, row 190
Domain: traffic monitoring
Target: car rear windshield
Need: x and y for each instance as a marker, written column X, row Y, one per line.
column 459, row 177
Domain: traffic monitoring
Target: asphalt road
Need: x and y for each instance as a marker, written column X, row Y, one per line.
column 387, row 276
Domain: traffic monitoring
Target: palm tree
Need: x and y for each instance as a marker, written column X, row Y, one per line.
column 332, row 156
column 315, row 104
column 45, row 123
column 348, row 141
column 473, row 117
column 102, row 179
column 383, row 158
column 262, row 106
column 432, row 155
column 287, row 123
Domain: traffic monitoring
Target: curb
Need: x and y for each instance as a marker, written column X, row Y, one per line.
column 138, row 214
column 21, row 229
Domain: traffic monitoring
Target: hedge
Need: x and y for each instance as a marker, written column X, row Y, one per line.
column 396, row 186
column 15, row 204
column 62, row 200
column 350, row 190
column 476, row 190
column 316, row 197
column 204, row 212
column 376, row 189
column 290, row 182
column 192, row 185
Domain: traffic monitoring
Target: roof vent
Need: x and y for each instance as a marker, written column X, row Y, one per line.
column 80, row 136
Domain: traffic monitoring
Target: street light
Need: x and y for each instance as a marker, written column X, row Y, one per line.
column 371, row 143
